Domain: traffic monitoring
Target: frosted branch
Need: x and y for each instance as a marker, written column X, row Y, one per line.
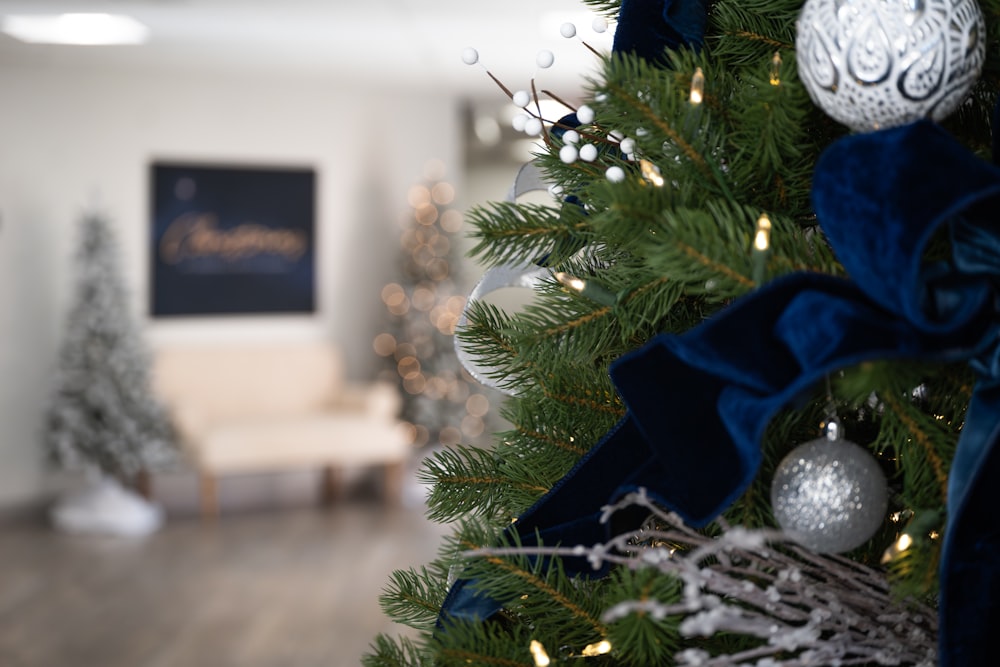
column 805, row 608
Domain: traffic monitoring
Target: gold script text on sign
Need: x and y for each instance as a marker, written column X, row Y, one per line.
column 196, row 235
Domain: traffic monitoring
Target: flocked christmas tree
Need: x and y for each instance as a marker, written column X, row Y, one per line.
column 103, row 415
column 731, row 275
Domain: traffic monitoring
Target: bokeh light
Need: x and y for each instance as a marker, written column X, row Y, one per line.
column 384, row 344
column 443, row 193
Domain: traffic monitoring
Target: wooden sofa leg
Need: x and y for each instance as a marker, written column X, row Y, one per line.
column 333, row 481
column 209, row 496
column 392, row 480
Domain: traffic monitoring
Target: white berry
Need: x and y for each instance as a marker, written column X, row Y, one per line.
column 588, row 152
column 600, row 24
column 615, row 174
column 571, row 137
column 522, row 98
column 568, row 154
column 585, row 115
column 533, row 127
column 518, row 121
column 567, row 30
column 545, row 59
column 470, row 56
column 627, row 145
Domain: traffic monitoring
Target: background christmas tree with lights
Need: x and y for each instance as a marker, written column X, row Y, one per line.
column 443, row 405
column 693, row 230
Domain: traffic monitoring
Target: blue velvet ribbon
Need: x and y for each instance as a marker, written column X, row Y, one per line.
column 879, row 198
column 648, row 27
column 698, row 403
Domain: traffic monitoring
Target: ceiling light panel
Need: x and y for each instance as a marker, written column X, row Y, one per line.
column 75, row 29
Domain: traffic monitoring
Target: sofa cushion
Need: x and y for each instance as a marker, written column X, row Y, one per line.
column 239, row 379
column 269, row 443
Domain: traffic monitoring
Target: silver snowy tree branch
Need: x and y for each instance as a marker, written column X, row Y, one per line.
column 805, row 608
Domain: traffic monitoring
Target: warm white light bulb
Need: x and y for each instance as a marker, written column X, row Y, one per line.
column 539, row 654
column 697, row 86
column 600, row 648
column 762, row 241
column 572, row 282
column 904, row 542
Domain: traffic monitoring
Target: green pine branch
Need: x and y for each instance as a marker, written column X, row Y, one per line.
column 396, row 652
column 467, row 481
column 413, row 597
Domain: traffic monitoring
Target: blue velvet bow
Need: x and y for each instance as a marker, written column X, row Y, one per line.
column 647, row 27
column 879, row 198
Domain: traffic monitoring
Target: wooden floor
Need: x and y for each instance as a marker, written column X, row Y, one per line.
column 265, row 589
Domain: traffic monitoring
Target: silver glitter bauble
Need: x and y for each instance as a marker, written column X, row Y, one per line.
column 873, row 64
column 830, row 495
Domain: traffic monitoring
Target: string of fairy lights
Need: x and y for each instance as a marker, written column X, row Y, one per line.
column 441, row 401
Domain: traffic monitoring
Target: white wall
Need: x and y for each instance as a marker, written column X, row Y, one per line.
column 73, row 140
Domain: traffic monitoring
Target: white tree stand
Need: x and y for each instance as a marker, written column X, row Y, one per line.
column 104, row 507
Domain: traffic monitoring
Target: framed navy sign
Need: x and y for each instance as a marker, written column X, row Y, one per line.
column 232, row 240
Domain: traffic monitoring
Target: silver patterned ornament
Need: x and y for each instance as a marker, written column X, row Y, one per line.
column 829, row 494
column 872, row 64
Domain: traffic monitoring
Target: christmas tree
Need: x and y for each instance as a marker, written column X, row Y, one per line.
column 103, row 414
column 733, row 276
column 441, row 402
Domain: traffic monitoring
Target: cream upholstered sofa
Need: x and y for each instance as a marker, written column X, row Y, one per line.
column 266, row 407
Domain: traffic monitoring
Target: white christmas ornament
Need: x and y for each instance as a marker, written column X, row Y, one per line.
column 829, row 494
column 533, row 127
column 615, row 174
column 585, row 114
column 567, row 30
column 568, row 154
column 588, row 152
column 521, row 98
column 529, row 179
column 873, row 64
